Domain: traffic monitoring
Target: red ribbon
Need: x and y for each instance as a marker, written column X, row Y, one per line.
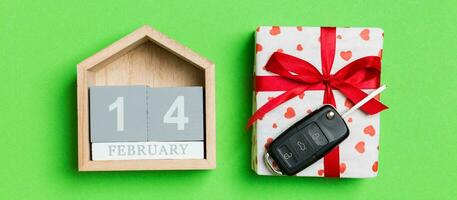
column 297, row 76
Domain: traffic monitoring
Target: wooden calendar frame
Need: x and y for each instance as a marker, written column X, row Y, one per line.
column 146, row 57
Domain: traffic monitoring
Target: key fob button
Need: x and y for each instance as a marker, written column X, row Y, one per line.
column 287, row 155
column 301, row 146
column 314, row 132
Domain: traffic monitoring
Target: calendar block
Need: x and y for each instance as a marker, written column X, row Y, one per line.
column 175, row 114
column 118, row 113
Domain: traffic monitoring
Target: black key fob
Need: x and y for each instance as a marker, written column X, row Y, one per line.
column 308, row 140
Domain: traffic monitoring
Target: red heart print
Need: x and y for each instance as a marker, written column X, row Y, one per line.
column 320, row 172
column 299, row 28
column 350, row 119
column 380, row 53
column 360, row 147
column 257, row 29
column 274, row 125
column 339, row 37
column 374, row 167
column 365, row 34
column 301, row 95
column 299, row 47
column 258, row 48
column 290, row 113
column 269, row 141
column 275, row 30
column 309, row 111
column 342, row 167
column 279, row 50
column 346, row 55
column 270, row 98
column 369, row 130
column 348, row 103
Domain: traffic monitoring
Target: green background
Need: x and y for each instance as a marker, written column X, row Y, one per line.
column 42, row 41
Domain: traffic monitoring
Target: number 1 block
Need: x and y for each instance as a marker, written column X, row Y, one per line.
column 118, row 113
column 175, row 114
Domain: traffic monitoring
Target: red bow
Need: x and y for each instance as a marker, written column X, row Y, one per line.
column 297, row 75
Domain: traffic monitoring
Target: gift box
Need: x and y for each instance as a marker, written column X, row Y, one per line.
column 297, row 70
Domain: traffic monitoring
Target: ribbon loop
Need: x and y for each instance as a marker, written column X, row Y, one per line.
column 286, row 65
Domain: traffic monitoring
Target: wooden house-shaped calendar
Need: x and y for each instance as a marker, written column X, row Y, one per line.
column 149, row 58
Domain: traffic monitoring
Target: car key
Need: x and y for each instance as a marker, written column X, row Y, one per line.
column 311, row 138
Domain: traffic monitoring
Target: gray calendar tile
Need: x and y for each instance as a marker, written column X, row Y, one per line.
column 118, row 113
column 175, row 114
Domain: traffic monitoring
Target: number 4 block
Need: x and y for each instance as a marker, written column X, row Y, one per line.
column 175, row 114
column 118, row 113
